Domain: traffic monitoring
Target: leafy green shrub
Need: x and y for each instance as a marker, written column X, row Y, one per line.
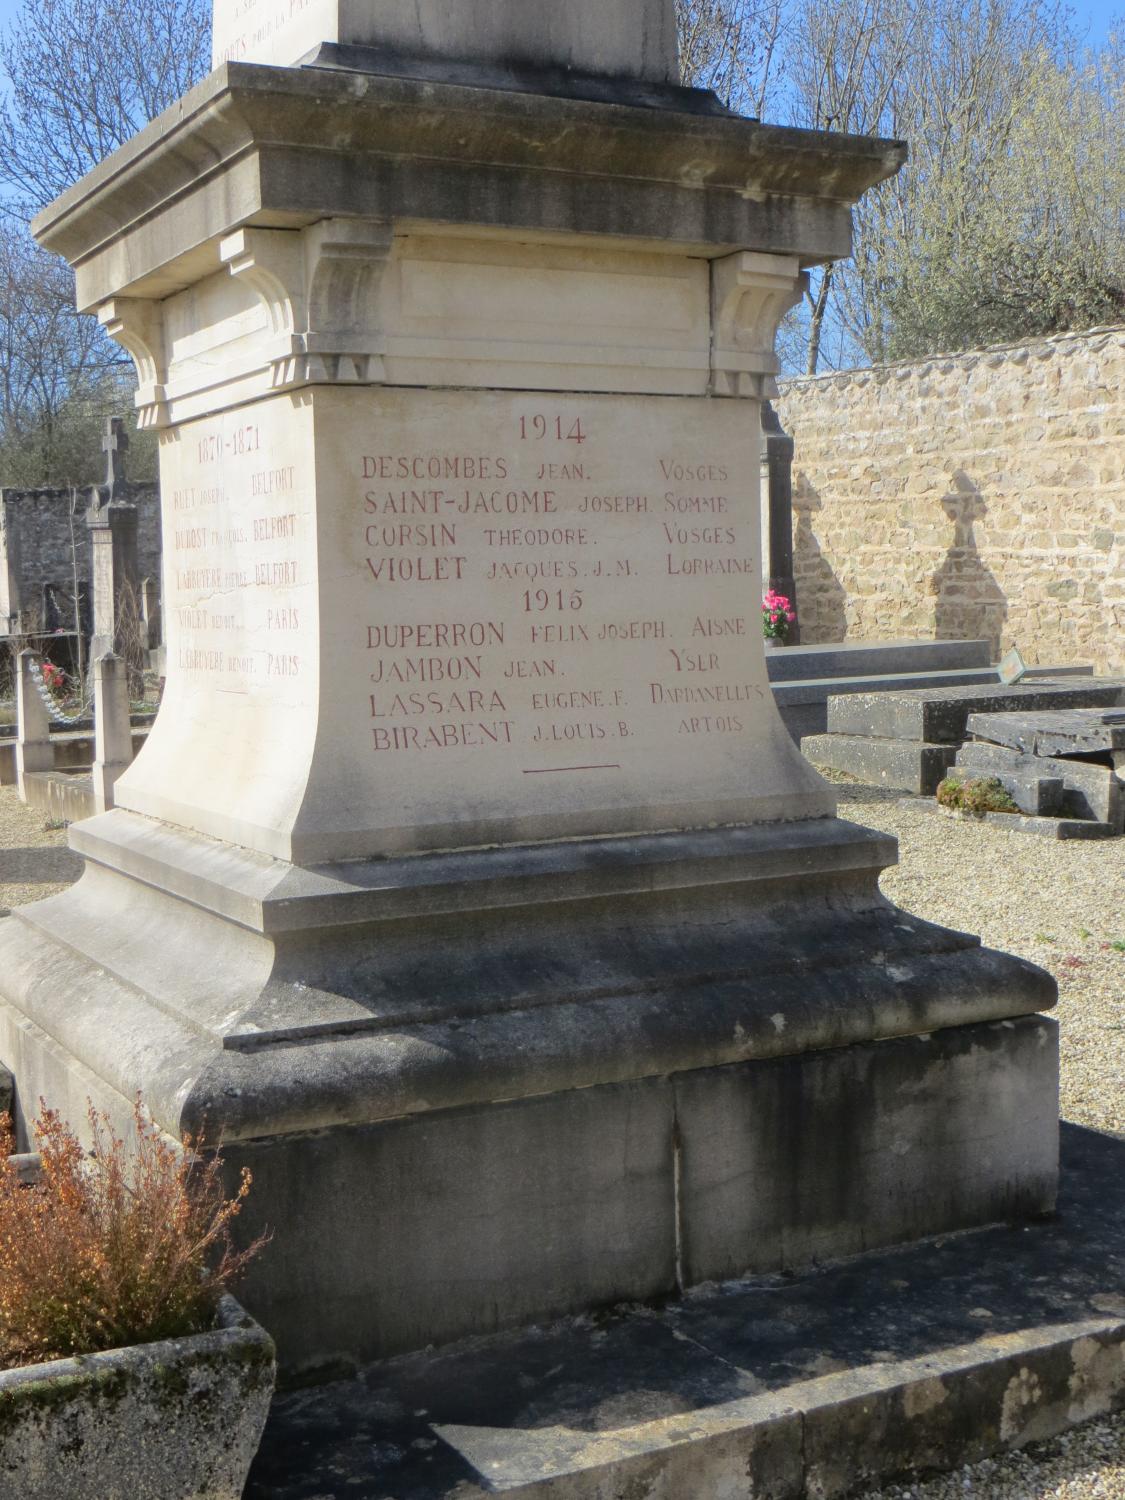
column 111, row 1247
column 976, row 796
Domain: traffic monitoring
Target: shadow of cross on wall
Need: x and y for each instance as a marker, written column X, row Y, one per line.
column 821, row 597
column 970, row 603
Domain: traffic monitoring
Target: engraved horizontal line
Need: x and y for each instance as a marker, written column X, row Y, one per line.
column 551, row 770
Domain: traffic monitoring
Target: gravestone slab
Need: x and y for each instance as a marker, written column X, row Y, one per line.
column 904, row 764
column 940, row 715
column 1077, row 731
column 1041, row 796
column 1090, row 791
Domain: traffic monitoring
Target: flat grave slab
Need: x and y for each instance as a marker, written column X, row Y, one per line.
column 940, row 715
column 907, row 765
column 927, row 1357
column 1076, row 731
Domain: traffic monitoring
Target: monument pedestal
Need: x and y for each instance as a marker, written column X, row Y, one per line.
column 479, row 1089
column 469, row 886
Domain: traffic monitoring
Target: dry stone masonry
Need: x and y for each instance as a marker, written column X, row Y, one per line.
column 979, row 494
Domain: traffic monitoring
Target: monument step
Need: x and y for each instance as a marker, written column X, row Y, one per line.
column 875, row 658
column 940, row 715
column 843, row 1377
column 1089, row 791
column 1039, row 795
column 905, row 765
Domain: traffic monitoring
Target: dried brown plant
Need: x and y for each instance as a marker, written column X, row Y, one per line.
column 114, row 1245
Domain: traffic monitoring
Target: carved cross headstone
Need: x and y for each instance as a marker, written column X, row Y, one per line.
column 115, row 445
column 112, row 520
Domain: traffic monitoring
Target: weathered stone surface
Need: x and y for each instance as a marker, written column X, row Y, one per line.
column 473, row 1220
column 440, row 154
column 526, row 1210
column 526, row 658
column 175, row 1420
column 970, row 494
column 1041, row 796
column 803, row 1160
column 805, row 677
column 905, row 764
column 631, row 38
column 1090, row 791
column 1053, row 828
column 875, row 659
column 1076, row 731
column 61, row 796
column 943, row 1354
column 940, row 715
column 1041, row 827
column 287, row 1001
column 37, row 567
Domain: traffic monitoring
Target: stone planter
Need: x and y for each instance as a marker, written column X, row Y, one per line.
column 164, row 1421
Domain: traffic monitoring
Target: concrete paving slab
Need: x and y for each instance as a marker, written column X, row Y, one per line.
column 782, row 1387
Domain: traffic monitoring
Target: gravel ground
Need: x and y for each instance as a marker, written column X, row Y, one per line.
column 34, row 861
column 1060, row 904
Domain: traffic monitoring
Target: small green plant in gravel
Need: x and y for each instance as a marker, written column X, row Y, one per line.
column 976, row 796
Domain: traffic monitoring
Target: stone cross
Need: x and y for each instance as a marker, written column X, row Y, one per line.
column 115, row 445
column 112, row 521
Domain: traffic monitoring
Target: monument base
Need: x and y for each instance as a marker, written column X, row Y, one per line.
column 785, row 1388
column 481, row 1089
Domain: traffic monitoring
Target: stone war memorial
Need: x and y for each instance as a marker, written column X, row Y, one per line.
column 468, row 885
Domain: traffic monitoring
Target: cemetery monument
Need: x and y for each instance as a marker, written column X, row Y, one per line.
column 469, row 885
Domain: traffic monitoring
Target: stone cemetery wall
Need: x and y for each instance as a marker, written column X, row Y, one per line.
column 36, row 577
column 978, row 494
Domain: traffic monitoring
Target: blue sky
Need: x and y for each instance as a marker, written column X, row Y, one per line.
column 1096, row 14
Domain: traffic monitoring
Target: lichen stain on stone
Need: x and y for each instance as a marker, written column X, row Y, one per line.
column 1097, row 1379
column 923, row 1396
column 1023, row 1391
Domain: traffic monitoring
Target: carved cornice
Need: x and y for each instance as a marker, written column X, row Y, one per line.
column 750, row 294
column 319, row 288
column 138, row 326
